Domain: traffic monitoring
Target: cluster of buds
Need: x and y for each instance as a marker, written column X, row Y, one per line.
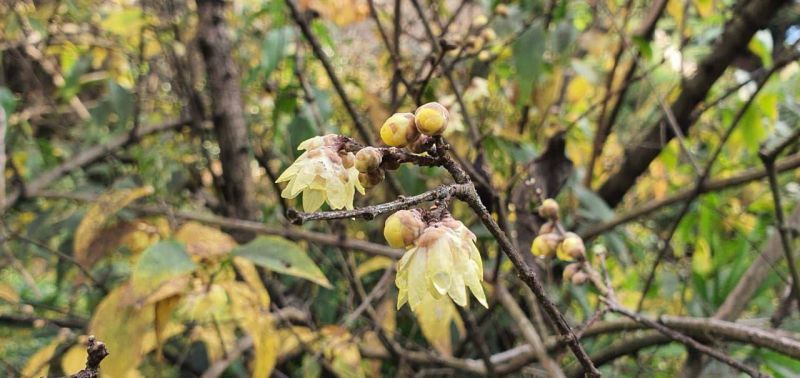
column 441, row 258
column 552, row 241
column 368, row 163
column 324, row 172
column 406, row 129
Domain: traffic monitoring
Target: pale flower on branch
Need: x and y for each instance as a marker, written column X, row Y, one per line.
column 443, row 261
column 321, row 174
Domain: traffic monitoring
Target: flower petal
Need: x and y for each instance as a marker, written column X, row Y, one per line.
column 313, row 200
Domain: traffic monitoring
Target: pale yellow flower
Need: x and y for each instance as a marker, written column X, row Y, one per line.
column 443, row 261
column 320, row 175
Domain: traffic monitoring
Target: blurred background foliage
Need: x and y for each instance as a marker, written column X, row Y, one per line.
column 172, row 297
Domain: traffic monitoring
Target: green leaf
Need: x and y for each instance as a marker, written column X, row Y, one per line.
column 528, row 51
column 274, row 49
column 282, row 256
column 160, row 263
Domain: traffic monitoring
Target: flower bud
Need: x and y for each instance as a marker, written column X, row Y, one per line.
column 547, row 227
column 479, row 21
column 403, row 228
column 549, row 209
column 544, row 245
column 570, row 270
column 399, row 130
column 571, row 248
column 431, row 118
column 484, row 56
column 501, row 10
column 348, row 159
column 368, row 159
column 579, row 278
column 371, row 179
column 489, row 34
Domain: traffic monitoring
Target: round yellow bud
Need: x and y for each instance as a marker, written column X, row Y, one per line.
column 371, row 178
column 549, row 209
column 431, row 118
column 484, row 56
column 368, row 159
column 501, row 10
column 399, row 130
column 479, row 21
column 571, row 248
column 544, row 245
column 403, row 228
column 489, row 34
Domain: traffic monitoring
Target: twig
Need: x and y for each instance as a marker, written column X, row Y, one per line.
column 476, row 336
column 768, row 158
column 743, row 177
column 528, row 331
column 244, row 225
column 361, row 127
column 686, row 340
column 84, row 158
column 370, row 212
column 97, row 351
column 666, row 241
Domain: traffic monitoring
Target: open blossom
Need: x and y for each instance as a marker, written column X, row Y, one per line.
column 443, row 261
column 321, row 175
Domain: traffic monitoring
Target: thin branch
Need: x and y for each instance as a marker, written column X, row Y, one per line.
column 666, row 241
column 740, row 178
column 244, row 225
column 686, row 340
column 84, row 158
column 363, row 129
column 528, row 331
column 370, row 212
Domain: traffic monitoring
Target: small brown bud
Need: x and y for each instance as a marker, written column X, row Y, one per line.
column 570, row 271
column 547, row 228
column 501, row 10
column 579, row 278
column 372, row 178
column 549, row 209
column 368, row 159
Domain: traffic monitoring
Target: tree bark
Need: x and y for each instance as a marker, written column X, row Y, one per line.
column 749, row 17
column 227, row 111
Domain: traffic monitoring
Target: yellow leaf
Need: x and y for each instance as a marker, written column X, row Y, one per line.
column 252, row 278
column 341, row 351
column 204, row 242
column 579, row 89
column 373, row 264
column 292, row 338
column 704, row 7
column 387, row 312
column 163, row 313
column 74, row 359
column 121, row 327
column 99, row 213
column 8, row 294
column 39, row 364
column 701, row 259
column 434, row 317
column 675, row 10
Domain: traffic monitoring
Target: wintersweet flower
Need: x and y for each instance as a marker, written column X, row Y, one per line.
column 322, row 174
column 443, row 261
